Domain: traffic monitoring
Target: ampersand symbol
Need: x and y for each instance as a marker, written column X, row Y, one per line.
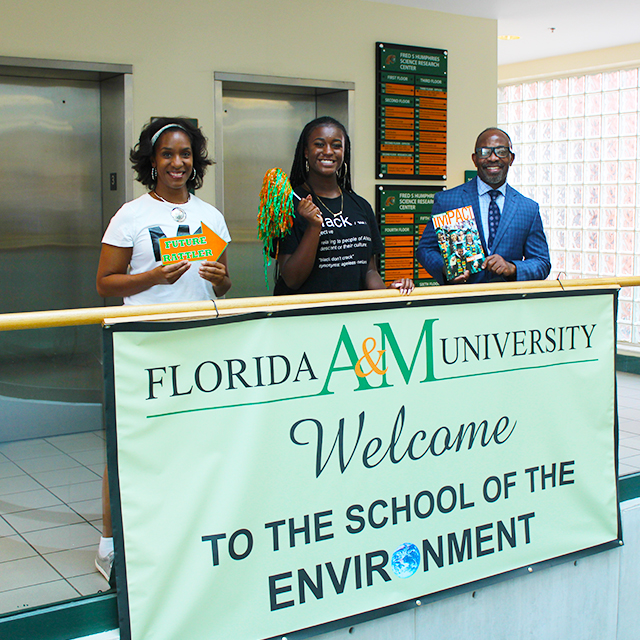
column 367, row 356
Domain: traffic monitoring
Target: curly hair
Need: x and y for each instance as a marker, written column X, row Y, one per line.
column 298, row 173
column 142, row 153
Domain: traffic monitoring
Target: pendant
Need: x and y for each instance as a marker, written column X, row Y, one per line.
column 178, row 214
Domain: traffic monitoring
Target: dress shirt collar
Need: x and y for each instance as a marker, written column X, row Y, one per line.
column 483, row 188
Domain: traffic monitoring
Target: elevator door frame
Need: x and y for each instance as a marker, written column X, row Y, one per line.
column 92, row 613
column 62, row 409
column 321, row 98
column 116, row 96
column 321, row 89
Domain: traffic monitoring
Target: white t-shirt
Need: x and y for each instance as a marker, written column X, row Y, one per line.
column 141, row 223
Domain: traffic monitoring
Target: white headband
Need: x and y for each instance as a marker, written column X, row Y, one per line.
column 158, row 133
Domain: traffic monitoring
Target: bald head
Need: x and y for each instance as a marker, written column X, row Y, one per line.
column 493, row 169
column 491, row 130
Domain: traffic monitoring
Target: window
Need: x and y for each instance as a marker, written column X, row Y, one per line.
column 577, row 154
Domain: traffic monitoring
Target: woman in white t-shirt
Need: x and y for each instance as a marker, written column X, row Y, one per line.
column 169, row 159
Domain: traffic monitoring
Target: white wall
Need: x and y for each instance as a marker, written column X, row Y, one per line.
column 585, row 61
column 176, row 47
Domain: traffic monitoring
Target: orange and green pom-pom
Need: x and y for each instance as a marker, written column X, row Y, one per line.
column 275, row 213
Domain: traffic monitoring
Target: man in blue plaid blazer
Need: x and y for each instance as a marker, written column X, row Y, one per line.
column 518, row 249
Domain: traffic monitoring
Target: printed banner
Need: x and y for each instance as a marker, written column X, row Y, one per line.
column 277, row 472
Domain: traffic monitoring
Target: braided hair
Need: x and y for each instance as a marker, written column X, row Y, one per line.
column 298, row 174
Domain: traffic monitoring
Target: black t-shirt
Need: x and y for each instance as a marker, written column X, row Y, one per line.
column 347, row 242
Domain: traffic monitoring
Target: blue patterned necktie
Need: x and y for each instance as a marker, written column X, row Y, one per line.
column 494, row 217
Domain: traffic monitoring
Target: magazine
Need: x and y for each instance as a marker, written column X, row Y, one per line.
column 459, row 241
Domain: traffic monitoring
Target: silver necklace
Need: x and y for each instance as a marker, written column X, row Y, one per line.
column 177, row 213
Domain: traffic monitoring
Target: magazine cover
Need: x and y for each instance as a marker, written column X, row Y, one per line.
column 459, row 241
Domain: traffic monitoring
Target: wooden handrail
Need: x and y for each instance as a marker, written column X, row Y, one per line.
column 97, row 315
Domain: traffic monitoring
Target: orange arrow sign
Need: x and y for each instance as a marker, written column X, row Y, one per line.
column 207, row 245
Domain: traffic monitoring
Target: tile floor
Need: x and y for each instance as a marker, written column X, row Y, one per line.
column 629, row 423
column 50, row 513
column 50, row 519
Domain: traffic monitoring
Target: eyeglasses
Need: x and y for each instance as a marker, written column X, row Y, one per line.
column 485, row 152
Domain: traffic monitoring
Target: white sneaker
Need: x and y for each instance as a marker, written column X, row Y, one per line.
column 104, row 564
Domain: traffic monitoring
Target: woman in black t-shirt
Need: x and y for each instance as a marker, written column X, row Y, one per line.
column 334, row 238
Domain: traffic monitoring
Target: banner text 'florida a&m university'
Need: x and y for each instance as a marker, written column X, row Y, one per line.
column 273, row 473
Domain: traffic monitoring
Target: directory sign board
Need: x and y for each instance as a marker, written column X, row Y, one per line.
column 411, row 105
column 403, row 211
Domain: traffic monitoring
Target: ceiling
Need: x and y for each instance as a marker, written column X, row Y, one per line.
column 579, row 25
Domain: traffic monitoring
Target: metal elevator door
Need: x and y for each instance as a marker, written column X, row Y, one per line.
column 51, row 221
column 260, row 131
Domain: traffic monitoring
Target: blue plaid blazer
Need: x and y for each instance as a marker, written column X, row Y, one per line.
column 520, row 237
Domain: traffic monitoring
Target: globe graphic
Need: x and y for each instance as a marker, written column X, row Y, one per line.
column 405, row 560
